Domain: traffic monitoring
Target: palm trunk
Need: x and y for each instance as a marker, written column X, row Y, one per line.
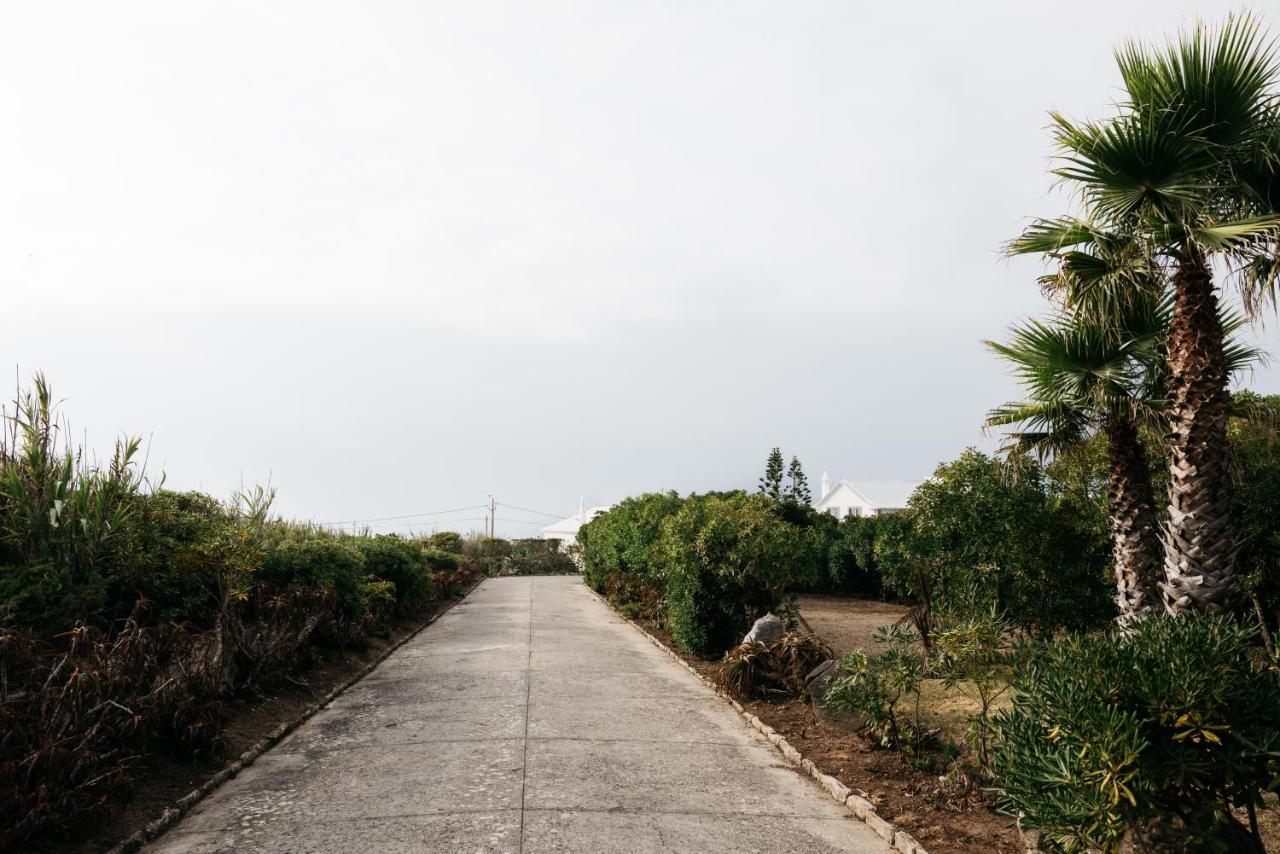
column 1200, row 548
column 1135, row 535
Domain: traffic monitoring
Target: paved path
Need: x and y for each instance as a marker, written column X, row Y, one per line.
column 529, row 718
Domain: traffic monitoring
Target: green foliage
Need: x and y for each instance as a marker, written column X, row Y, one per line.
column 402, row 564
column 848, row 563
column 875, row 688
column 624, row 540
column 322, row 564
column 489, row 554
column 974, row 652
column 1006, row 527
column 1255, row 455
column 535, row 556
column 771, row 482
column 729, row 559
column 1179, row 719
column 446, row 541
column 797, row 484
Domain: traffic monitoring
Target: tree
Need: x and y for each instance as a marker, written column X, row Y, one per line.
column 771, row 483
column 1000, row 528
column 1189, row 168
column 1087, row 376
column 798, row 491
column 1083, row 380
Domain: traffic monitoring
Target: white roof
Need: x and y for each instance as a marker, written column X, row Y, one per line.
column 882, row 494
column 567, row 529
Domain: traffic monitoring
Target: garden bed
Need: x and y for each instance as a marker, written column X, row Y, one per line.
column 939, row 813
column 163, row 779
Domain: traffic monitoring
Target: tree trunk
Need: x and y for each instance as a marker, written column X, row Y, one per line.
column 1200, row 547
column 1135, row 534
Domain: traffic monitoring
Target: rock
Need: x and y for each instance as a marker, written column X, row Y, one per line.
column 766, row 630
column 816, row 683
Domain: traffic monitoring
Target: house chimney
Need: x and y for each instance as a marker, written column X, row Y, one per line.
column 582, row 508
column 825, row 487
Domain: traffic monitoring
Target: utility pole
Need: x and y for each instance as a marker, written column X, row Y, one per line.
column 493, row 506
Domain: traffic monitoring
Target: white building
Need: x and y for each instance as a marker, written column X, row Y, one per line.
column 864, row 497
column 566, row 530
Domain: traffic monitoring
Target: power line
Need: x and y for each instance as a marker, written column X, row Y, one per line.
column 406, row 516
column 537, row 512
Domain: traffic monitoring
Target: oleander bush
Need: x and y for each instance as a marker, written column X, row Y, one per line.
column 1110, row 735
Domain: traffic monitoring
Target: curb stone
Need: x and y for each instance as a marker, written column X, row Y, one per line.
column 859, row 807
column 183, row 805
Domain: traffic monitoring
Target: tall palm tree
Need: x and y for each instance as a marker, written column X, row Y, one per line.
column 1083, row 378
column 1188, row 167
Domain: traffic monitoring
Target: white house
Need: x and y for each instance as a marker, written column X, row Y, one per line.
column 566, row 530
column 864, row 497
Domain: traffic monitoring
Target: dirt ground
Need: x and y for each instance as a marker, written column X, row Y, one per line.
column 848, row 624
column 164, row 779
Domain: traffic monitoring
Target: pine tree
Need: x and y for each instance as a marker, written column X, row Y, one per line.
column 799, row 489
column 771, row 483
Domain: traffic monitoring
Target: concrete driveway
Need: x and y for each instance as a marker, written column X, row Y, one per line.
column 529, row 718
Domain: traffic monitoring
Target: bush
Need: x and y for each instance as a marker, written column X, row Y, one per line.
column 773, row 671
column 624, row 541
column 402, row 564
column 537, row 557
column 728, row 560
column 323, row 564
column 446, row 541
column 875, row 688
column 1177, row 724
column 1006, row 527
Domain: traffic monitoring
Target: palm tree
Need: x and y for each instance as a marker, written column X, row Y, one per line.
column 1084, row 378
column 1188, row 168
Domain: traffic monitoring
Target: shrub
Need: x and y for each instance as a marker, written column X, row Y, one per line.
column 875, row 688
column 1005, row 525
column 729, row 558
column 1177, row 723
column 773, row 671
column 537, row 557
column 446, row 541
column 323, row 564
column 404, row 565
column 625, row 540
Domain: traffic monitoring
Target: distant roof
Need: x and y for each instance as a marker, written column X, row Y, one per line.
column 888, row 494
column 567, row 528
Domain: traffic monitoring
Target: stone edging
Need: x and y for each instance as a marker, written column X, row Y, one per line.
column 859, row 807
column 183, row 805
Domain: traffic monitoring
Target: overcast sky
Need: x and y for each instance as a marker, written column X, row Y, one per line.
column 394, row 256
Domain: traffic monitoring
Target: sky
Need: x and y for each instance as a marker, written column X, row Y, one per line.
column 393, row 257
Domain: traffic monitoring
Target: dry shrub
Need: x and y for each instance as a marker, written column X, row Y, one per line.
column 773, row 671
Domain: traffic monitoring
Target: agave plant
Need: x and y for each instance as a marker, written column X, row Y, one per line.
column 1189, row 169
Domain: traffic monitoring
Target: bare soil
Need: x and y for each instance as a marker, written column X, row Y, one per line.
column 848, row 624
column 163, row 779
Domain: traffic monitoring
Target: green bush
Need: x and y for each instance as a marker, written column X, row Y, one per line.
column 537, row 557
column 322, row 564
column 728, row 561
column 1006, row 527
column 877, row 688
column 446, row 541
column 441, row 561
column 404, row 565
column 1177, row 723
column 624, row 540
